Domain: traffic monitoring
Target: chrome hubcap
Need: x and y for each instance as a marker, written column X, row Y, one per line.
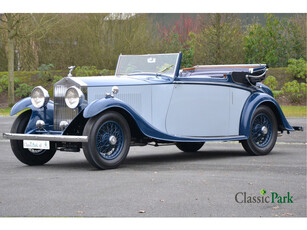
column 264, row 130
column 112, row 140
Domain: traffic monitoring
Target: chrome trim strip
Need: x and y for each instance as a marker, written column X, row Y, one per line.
column 58, row 138
column 232, row 65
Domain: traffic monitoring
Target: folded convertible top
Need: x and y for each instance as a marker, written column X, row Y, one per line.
column 226, row 69
column 247, row 74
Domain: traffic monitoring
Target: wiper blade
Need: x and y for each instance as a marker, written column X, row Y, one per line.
column 166, row 68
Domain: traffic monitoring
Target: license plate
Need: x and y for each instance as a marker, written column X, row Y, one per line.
column 29, row 144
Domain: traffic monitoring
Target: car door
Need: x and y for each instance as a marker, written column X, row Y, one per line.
column 199, row 110
column 205, row 110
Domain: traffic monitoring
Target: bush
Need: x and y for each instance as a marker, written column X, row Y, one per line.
column 271, row 82
column 43, row 70
column 56, row 79
column 4, row 82
column 83, row 71
column 105, row 72
column 23, row 90
column 45, row 67
column 294, row 91
column 297, row 68
column 277, row 93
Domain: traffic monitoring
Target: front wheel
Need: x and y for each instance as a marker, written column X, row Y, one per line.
column 108, row 140
column 189, row 146
column 263, row 132
column 28, row 156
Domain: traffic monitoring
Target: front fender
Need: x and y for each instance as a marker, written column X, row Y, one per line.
column 252, row 103
column 45, row 113
column 21, row 105
column 101, row 105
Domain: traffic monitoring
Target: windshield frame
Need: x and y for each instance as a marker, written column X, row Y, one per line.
column 173, row 75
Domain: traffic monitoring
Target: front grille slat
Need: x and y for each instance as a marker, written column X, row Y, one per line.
column 61, row 111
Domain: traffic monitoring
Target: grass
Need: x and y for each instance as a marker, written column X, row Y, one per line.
column 294, row 111
column 5, row 112
column 289, row 111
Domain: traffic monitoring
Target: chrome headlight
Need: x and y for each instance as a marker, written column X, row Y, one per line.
column 39, row 97
column 73, row 97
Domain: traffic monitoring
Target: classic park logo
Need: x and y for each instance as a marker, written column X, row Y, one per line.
column 273, row 197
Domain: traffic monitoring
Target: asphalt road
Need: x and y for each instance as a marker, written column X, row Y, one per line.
column 158, row 182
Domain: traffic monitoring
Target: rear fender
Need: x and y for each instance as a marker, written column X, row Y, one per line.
column 252, row 103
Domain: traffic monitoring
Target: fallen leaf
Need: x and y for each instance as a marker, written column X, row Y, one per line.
column 142, row 211
column 277, row 207
column 287, row 214
column 80, row 212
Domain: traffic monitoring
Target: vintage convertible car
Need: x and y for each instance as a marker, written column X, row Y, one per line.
column 149, row 100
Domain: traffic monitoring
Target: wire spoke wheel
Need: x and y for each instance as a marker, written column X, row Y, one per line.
column 109, row 140
column 263, row 132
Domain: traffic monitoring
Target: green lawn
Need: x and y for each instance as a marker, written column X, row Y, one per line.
column 294, row 111
column 5, row 111
column 289, row 111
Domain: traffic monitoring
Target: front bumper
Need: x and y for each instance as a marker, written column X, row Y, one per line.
column 43, row 137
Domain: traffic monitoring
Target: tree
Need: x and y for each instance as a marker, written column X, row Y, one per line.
column 297, row 36
column 180, row 37
column 276, row 42
column 16, row 28
column 219, row 40
column 97, row 39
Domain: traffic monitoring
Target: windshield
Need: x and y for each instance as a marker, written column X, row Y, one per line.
column 155, row 64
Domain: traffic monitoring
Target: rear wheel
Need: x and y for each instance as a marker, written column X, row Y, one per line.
column 189, row 146
column 28, row 156
column 108, row 140
column 263, row 132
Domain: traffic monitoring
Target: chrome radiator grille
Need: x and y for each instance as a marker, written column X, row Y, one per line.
column 61, row 111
